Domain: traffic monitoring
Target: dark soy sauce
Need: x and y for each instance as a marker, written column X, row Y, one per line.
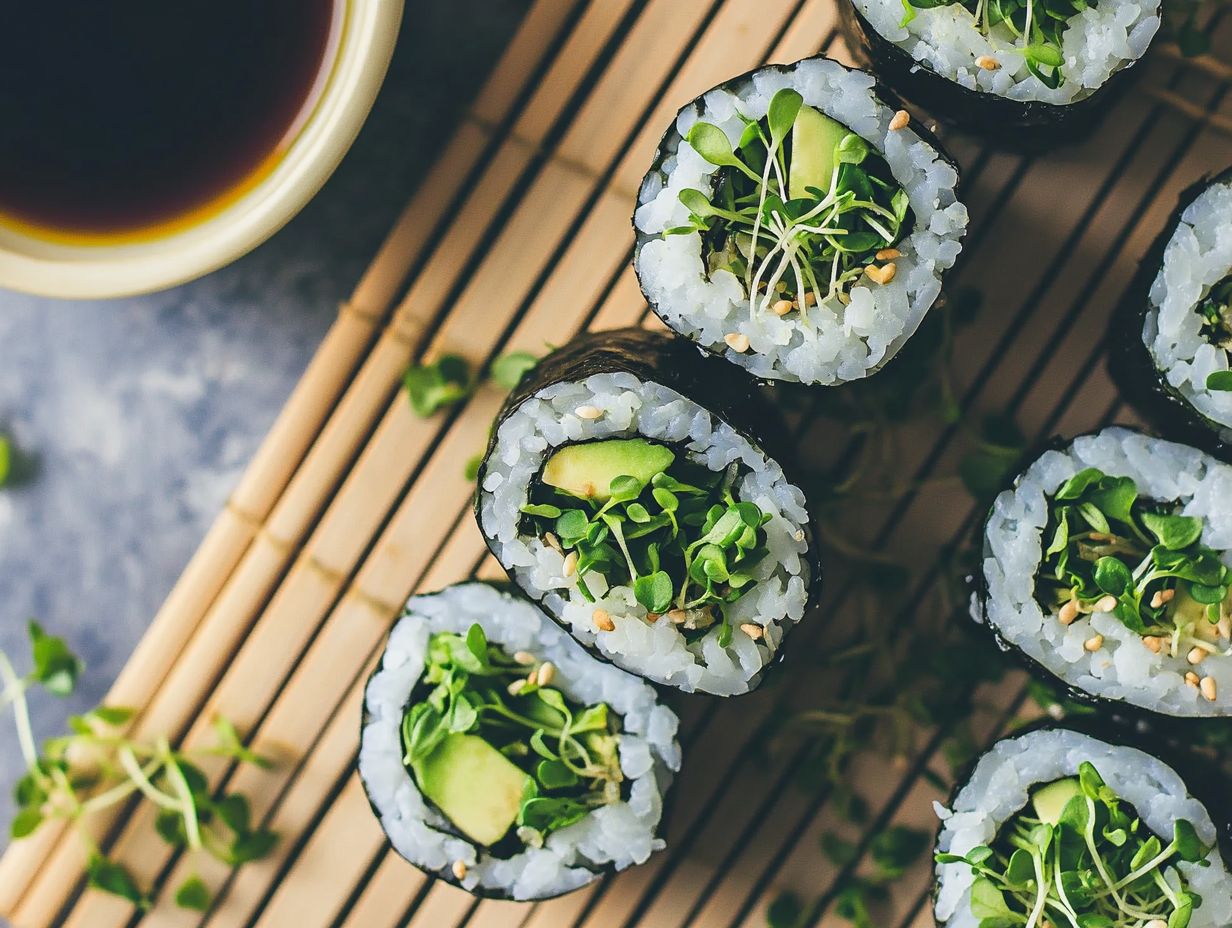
column 122, row 117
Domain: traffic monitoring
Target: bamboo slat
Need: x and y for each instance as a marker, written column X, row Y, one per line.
column 533, row 242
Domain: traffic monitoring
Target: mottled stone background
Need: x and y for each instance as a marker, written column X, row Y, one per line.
column 143, row 412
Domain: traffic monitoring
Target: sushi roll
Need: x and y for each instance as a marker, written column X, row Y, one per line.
column 1107, row 567
column 1104, row 833
column 501, row 757
column 1171, row 342
column 976, row 65
column 795, row 224
column 631, row 488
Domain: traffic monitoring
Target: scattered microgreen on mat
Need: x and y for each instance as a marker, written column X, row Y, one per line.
column 680, row 539
column 1033, row 28
column 436, row 385
column 96, row 766
column 800, row 207
column 1090, row 864
column 1109, row 550
column 566, row 754
column 1216, row 311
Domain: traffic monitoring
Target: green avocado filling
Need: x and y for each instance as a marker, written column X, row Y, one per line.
column 802, row 208
column 505, row 756
column 1080, row 857
column 1216, row 311
column 1109, row 550
column 1031, row 28
column 632, row 512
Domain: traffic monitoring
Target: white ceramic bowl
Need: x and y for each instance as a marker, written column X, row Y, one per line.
column 33, row 264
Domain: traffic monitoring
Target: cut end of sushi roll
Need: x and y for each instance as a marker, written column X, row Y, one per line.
column 501, row 757
column 797, row 225
column 1056, row 826
column 620, row 491
column 968, row 63
column 1109, row 565
column 1184, row 321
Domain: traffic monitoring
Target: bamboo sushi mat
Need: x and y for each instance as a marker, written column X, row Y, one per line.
column 519, row 236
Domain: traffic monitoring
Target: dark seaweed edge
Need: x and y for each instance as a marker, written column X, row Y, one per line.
column 1130, row 361
column 1023, row 126
column 1199, row 782
column 664, row 777
column 730, row 396
column 1126, row 714
column 671, row 140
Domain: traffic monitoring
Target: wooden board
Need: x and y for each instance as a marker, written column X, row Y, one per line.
column 519, row 236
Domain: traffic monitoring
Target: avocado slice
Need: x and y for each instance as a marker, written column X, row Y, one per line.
column 477, row 787
column 1049, row 801
column 814, row 136
column 587, row 470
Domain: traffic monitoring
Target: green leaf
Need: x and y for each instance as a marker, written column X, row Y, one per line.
column 551, row 813
column 508, row 369
column 234, row 812
column 477, row 643
column 1115, row 497
column 896, row 848
column 851, row 150
column 654, row 592
column 26, row 821
column 432, row 387
column 712, row 143
column 1112, row 576
column 1021, row 868
column 786, row 911
column 987, row 901
column 838, row 850
column 193, row 894
column 169, row 826
column 112, row 878
column 252, row 846
column 544, row 510
column 1219, row 380
column 112, row 715
column 1189, row 846
column 1207, row 595
column 1077, row 484
column 230, row 744
column 6, row 459
column 1046, row 55
column 781, row 115
column 471, row 470
column 1174, row 532
column 55, row 666
column 1092, row 515
column 555, row 774
column 625, row 488
column 572, row 525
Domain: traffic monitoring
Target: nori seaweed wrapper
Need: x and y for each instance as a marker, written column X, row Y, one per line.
column 1025, row 126
column 1199, row 773
column 1186, row 729
column 1130, row 362
column 666, row 796
column 671, row 140
column 724, row 390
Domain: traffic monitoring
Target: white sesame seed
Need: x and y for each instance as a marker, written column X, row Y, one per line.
column 987, row 62
column 524, row 657
column 588, row 412
column 737, row 341
column 547, row 673
column 1208, row 688
column 900, row 120
column 1094, row 643
column 756, row 632
column 603, row 621
column 459, row 870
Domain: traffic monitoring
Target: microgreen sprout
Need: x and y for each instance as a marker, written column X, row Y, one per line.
column 435, row 385
column 1109, row 549
column 1216, row 312
column 569, row 751
column 96, row 766
column 1090, row 864
column 1034, row 28
column 804, row 246
column 681, row 540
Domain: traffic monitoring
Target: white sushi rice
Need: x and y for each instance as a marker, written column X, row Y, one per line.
column 619, row 834
column 1000, row 787
column 1123, row 668
column 828, row 343
column 1098, row 42
column 1198, row 256
column 630, row 407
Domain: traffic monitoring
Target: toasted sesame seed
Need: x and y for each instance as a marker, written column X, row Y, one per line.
column 1056, row 710
column 547, row 673
column 737, row 341
column 799, row 535
column 525, row 658
column 677, row 616
column 900, row 120
column 810, row 299
column 1094, row 643
column 552, row 542
column 1157, row 600
column 756, row 632
column 844, row 297
column 781, row 308
column 459, row 870
column 569, row 568
column 1156, row 923
column 532, row 678
column 1196, row 656
column 1068, row 612
column 602, row 620
column 516, row 687
column 653, row 617
column 1191, row 678
column 588, row 412
column 883, row 274
column 1106, row 604
column 888, row 254
column 1209, row 689
column 1152, row 643
column 987, row 62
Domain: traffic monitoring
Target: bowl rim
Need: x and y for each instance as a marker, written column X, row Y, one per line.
column 45, row 267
